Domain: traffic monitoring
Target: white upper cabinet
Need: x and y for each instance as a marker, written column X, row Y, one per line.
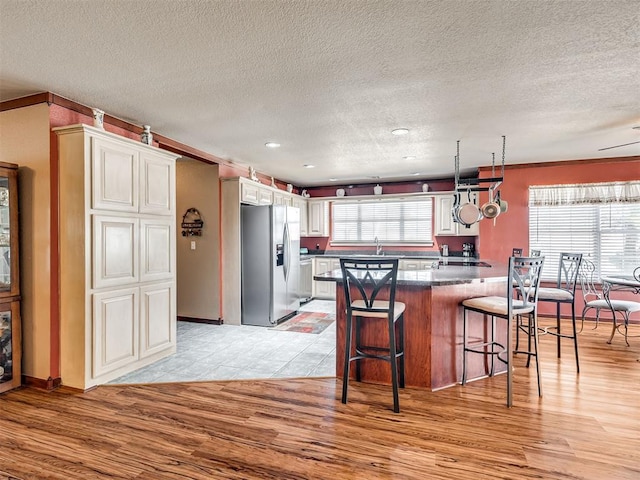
column 301, row 204
column 157, row 186
column 318, row 211
column 115, row 175
column 254, row 193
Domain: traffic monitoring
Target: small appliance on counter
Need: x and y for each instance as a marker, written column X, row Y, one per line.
column 468, row 249
column 445, row 250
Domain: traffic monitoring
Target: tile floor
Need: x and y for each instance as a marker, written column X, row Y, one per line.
column 226, row 352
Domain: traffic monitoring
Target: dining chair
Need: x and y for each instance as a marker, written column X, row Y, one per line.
column 564, row 293
column 364, row 282
column 521, row 298
column 594, row 298
column 535, row 253
column 516, row 252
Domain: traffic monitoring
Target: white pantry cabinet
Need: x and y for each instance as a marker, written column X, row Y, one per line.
column 117, row 255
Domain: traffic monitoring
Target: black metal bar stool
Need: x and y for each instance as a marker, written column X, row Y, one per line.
column 521, row 299
column 564, row 293
column 363, row 280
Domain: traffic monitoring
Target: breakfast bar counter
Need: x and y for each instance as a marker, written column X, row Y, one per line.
column 433, row 323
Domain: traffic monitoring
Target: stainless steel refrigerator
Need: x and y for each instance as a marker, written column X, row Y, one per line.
column 270, row 263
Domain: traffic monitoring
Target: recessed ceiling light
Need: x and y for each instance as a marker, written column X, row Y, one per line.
column 400, row 131
column 306, row 165
column 333, row 179
column 409, row 157
column 272, row 144
column 415, row 174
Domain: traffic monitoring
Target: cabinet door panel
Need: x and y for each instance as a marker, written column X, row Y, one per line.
column 318, row 211
column 157, row 184
column 115, row 333
column 156, row 249
column 115, row 176
column 444, row 221
column 157, row 318
column 249, row 193
column 115, row 255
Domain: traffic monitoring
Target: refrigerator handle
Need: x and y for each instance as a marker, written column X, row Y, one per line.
column 287, row 248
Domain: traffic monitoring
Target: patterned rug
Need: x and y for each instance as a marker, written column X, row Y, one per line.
column 308, row 322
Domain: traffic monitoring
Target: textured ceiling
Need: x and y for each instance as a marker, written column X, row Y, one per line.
column 329, row 80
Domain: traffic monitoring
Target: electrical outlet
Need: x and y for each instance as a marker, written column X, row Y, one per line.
column 193, row 244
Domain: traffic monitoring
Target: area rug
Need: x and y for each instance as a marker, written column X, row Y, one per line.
column 308, row 322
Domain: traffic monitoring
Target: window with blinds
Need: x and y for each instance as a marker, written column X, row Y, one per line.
column 609, row 234
column 397, row 221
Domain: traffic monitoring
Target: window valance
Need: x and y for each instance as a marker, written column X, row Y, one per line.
column 583, row 194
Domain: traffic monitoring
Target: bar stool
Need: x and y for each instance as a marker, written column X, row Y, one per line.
column 521, row 299
column 363, row 281
column 564, row 292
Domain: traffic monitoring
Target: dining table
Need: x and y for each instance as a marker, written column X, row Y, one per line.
column 620, row 283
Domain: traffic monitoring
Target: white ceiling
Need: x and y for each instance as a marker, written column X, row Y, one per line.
column 329, row 80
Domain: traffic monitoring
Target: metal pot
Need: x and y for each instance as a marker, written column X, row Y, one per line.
column 491, row 209
column 468, row 213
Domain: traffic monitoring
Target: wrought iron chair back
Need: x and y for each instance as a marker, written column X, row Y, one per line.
column 375, row 274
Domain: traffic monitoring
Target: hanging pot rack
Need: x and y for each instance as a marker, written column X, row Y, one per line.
column 480, row 184
column 460, row 211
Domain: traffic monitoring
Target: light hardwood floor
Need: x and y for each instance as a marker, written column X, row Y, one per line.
column 585, row 427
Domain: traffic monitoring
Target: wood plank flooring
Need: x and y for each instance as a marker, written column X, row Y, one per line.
column 585, row 427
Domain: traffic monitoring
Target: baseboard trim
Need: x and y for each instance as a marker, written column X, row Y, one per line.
column 48, row 384
column 210, row 321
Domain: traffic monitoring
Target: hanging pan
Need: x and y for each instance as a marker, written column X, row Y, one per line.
column 504, row 206
column 469, row 213
column 491, row 209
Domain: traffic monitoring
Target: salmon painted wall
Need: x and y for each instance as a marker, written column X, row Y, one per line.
column 511, row 229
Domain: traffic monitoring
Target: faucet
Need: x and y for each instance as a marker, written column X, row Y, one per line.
column 378, row 246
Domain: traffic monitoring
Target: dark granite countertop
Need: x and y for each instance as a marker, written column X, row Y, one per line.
column 447, row 275
column 392, row 254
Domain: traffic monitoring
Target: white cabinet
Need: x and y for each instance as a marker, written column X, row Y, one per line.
column 117, row 255
column 114, row 172
column 116, row 330
column 444, row 224
column 282, row 198
column 318, row 211
column 301, row 204
column 322, row 289
column 157, row 318
column 415, row 264
column 115, row 250
column 255, row 194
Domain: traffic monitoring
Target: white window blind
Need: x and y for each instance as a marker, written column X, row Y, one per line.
column 399, row 221
column 608, row 233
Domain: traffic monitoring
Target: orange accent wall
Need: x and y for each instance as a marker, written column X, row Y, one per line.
column 512, row 228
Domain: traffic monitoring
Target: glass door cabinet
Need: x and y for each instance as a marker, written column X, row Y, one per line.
column 10, row 325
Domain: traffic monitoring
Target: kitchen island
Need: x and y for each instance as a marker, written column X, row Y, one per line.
column 433, row 324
